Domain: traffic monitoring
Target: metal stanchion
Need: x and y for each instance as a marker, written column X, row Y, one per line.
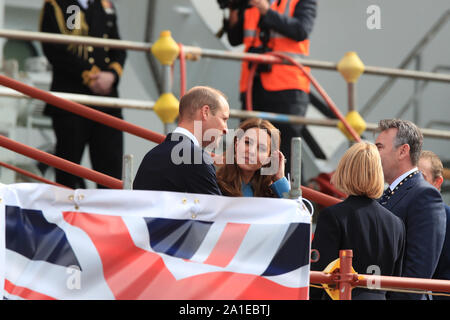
column 346, row 275
column 296, row 167
column 166, row 50
column 127, row 172
column 351, row 68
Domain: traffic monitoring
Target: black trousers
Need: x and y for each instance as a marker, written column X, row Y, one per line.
column 73, row 133
column 292, row 102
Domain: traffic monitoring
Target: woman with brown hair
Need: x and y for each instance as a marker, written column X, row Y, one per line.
column 255, row 166
column 360, row 223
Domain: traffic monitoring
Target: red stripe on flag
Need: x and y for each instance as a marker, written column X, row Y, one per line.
column 133, row 273
column 228, row 244
column 25, row 293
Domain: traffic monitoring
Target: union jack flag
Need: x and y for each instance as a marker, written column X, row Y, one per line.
column 57, row 243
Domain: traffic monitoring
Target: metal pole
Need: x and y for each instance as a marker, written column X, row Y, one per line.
column 166, row 87
column 127, row 172
column 351, row 87
column 82, row 40
column 416, row 110
column 296, row 167
column 88, row 99
column 195, row 52
column 234, row 113
column 346, row 277
column 167, row 79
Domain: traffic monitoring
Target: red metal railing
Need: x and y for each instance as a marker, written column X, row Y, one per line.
column 82, row 110
column 29, row 174
column 60, row 163
column 345, row 280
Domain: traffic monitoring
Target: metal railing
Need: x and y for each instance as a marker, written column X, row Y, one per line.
column 234, row 113
column 344, row 280
column 194, row 53
column 418, row 48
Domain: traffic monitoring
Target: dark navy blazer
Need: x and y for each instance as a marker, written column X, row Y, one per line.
column 376, row 236
column 177, row 165
column 443, row 267
column 421, row 208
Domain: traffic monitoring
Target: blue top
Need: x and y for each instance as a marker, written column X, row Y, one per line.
column 278, row 187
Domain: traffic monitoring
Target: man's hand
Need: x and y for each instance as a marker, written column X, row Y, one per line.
column 262, row 5
column 102, row 83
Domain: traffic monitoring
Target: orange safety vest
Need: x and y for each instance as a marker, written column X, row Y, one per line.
column 282, row 77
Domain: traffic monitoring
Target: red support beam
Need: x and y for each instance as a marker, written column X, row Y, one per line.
column 30, row 175
column 319, row 197
column 60, row 163
column 82, row 110
column 403, row 283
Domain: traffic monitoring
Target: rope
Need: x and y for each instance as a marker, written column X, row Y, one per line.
column 182, row 71
column 314, row 82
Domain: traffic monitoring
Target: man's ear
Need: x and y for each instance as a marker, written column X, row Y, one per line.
column 438, row 182
column 205, row 111
column 404, row 151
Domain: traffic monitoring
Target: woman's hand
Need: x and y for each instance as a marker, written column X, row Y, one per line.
column 279, row 156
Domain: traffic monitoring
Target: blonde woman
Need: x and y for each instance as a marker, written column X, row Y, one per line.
column 360, row 223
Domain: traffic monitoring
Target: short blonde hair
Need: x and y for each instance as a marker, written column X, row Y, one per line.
column 359, row 172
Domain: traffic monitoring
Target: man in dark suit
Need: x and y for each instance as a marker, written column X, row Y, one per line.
column 87, row 70
column 179, row 163
column 432, row 170
column 412, row 199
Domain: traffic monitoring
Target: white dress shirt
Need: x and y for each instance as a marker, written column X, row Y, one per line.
column 188, row 134
column 84, row 3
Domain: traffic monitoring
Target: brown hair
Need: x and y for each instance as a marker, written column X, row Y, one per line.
column 229, row 175
column 359, row 171
column 437, row 168
column 196, row 98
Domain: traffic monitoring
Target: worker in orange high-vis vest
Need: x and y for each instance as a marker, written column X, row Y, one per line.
column 276, row 25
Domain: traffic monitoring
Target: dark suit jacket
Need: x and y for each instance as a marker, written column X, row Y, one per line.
column 443, row 267
column 177, row 165
column 420, row 206
column 376, row 236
